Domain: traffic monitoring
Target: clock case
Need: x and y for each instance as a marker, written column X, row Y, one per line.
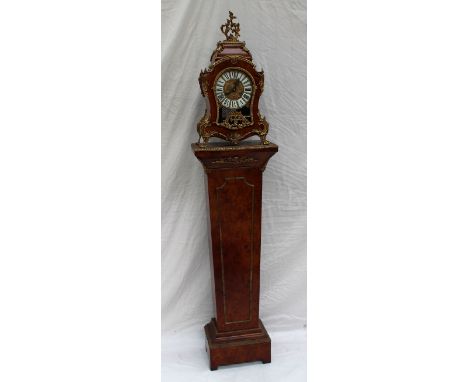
column 231, row 55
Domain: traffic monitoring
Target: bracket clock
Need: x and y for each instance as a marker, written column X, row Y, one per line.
column 234, row 168
column 232, row 87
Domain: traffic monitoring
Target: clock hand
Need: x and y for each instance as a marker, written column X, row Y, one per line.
column 233, row 89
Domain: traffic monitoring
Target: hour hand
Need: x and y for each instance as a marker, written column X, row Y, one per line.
column 233, row 89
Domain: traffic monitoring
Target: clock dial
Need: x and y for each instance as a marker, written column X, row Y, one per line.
column 233, row 89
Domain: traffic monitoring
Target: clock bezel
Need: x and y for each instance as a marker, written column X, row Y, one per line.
column 252, row 95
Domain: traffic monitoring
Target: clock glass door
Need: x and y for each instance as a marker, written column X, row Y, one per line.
column 233, row 90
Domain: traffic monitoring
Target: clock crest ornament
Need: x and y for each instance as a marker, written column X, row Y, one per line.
column 231, row 29
column 232, row 87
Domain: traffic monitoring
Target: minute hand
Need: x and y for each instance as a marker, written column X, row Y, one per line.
column 232, row 91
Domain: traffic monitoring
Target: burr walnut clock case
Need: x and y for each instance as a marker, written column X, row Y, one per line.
column 234, row 169
column 232, row 87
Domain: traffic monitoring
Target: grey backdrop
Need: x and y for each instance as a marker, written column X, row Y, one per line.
column 275, row 33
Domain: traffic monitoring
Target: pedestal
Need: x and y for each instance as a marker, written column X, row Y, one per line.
column 234, row 183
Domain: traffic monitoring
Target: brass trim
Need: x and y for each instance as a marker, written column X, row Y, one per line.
column 235, row 160
column 258, row 146
column 236, row 56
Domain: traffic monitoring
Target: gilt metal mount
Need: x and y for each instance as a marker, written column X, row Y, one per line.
column 231, row 29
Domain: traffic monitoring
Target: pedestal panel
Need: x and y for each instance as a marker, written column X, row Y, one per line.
column 235, row 203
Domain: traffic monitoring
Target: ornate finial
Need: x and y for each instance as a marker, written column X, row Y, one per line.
column 231, row 29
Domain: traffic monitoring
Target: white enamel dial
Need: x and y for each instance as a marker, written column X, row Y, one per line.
column 233, row 89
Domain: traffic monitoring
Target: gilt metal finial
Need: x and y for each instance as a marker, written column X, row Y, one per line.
column 231, row 29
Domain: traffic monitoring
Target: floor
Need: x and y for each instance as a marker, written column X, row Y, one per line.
column 184, row 359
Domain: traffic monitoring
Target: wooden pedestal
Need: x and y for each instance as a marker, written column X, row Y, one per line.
column 234, row 180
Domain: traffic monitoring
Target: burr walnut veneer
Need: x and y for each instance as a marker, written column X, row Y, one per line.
column 234, row 182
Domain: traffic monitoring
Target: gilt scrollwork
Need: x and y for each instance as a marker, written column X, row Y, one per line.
column 235, row 138
column 262, row 132
column 236, row 120
column 205, row 86
column 231, row 29
column 201, row 129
